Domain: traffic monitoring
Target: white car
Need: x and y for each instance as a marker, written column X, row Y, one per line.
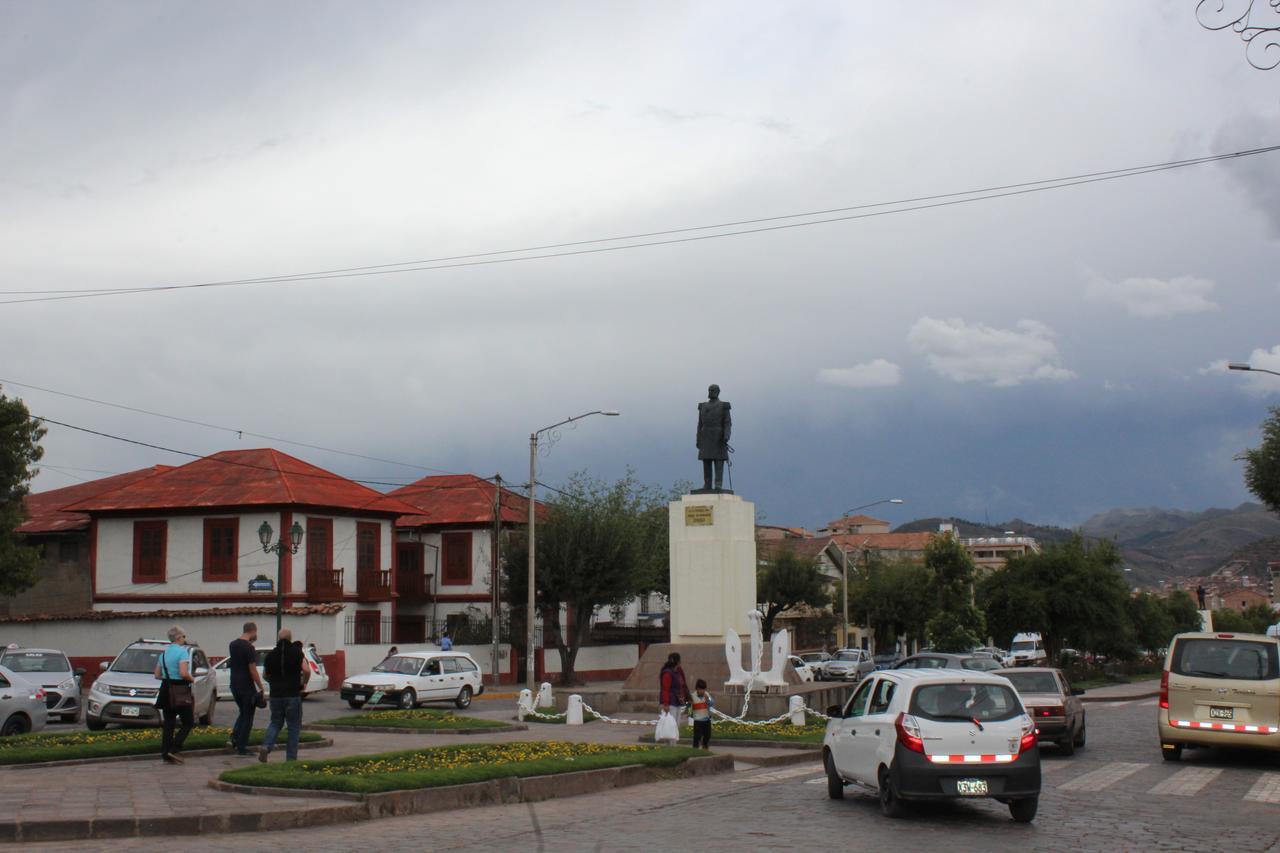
column 848, row 665
column 802, row 669
column 912, row 734
column 319, row 677
column 409, row 679
column 22, row 704
column 52, row 670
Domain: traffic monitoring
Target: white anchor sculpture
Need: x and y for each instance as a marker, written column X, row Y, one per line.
column 780, row 644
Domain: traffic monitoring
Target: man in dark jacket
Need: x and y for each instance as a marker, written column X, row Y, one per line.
column 287, row 673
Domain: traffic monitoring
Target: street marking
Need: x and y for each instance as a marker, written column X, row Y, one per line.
column 820, row 780
column 1186, row 782
column 1104, row 777
column 1265, row 790
column 777, row 775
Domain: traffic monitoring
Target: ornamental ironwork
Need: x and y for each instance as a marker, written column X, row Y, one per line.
column 1256, row 21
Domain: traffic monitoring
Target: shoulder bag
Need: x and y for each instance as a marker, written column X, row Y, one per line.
column 177, row 692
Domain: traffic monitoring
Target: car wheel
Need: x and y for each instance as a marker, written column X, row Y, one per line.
column 1067, row 746
column 1171, row 751
column 94, row 725
column 15, row 725
column 1081, row 735
column 207, row 718
column 1024, row 811
column 835, row 785
column 408, row 699
column 891, row 805
column 464, row 698
column 355, row 704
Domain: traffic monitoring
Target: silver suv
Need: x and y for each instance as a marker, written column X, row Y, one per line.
column 125, row 693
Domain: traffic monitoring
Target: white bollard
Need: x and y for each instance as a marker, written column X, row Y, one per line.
column 524, row 704
column 546, row 699
column 797, row 711
column 573, row 714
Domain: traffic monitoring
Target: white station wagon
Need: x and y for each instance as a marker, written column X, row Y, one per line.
column 934, row 734
column 409, row 679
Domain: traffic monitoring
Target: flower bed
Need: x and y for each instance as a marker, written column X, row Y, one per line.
column 426, row 719
column 76, row 745
column 783, row 732
column 452, row 765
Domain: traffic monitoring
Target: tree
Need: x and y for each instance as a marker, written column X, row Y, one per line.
column 787, row 581
column 1262, row 464
column 1226, row 619
column 19, row 451
column 598, row 545
column 958, row 625
column 1183, row 612
column 1150, row 620
column 1260, row 617
column 895, row 598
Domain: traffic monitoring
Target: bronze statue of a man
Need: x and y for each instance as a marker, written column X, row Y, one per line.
column 714, row 427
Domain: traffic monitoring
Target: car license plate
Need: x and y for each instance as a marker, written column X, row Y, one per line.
column 375, row 698
column 130, row 711
column 1222, row 713
column 971, row 787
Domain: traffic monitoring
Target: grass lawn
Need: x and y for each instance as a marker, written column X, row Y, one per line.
column 69, row 746
column 783, row 732
column 453, row 765
column 426, row 719
column 1091, row 683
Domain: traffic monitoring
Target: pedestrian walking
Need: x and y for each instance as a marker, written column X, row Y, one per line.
column 175, row 699
column 287, row 673
column 700, row 705
column 246, row 685
column 673, row 691
column 446, row 644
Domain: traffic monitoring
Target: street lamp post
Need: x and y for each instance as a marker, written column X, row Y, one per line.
column 531, row 613
column 844, row 567
column 279, row 548
column 1239, row 365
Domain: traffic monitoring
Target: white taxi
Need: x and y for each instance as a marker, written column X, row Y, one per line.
column 409, row 679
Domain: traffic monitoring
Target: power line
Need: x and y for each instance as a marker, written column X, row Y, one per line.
column 495, row 257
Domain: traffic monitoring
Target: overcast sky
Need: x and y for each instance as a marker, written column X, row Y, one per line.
column 1046, row 356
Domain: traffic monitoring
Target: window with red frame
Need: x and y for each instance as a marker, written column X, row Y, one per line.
column 456, row 559
column 221, row 549
column 319, row 544
column 368, row 547
column 150, row 541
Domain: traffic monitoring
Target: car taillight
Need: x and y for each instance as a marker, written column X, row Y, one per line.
column 1051, row 711
column 1028, row 736
column 1164, row 689
column 909, row 733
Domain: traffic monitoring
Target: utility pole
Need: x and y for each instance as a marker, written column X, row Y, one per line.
column 495, row 605
column 531, row 615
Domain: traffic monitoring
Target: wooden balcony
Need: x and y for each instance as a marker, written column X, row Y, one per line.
column 324, row 584
column 413, row 586
column 373, row 585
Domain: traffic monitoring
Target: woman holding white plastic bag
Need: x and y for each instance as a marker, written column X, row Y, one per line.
column 673, row 694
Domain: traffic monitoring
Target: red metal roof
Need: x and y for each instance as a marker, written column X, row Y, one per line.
column 460, row 499
column 45, row 512
column 883, row 541
column 235, row 478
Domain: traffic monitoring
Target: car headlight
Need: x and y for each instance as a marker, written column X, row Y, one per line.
column 69, row 684
column 346, row 683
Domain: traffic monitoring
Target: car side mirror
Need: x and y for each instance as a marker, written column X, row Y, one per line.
column 1077, row 691
column 103, row 666
column 835, row 711
column 79, row 671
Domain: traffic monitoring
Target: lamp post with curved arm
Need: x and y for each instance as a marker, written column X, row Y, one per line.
column 844, row 566
column 280, row 548
column 1240, row 365
column 531, row 613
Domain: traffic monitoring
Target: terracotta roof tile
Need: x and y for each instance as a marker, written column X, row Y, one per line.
column 884, row 541
column 234, row 478
column 248, row 610
column 45, row 513
column 459, row 499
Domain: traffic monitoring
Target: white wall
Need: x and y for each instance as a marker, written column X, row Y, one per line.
column 433, row 559
column 596, row 658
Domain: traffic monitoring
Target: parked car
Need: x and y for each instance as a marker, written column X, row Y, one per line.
column 1220, row 690
column 943, row 660
column 1028, row 650
column 886, row 660
column 409, row 679
column 815, row 662
column 52, row 670
column 848, row 665
column 125, row 693
column 802, row 669
column 934, row 734
column 22, row 704
column 1052, row 704
column 319, row 676
column 1000, row 656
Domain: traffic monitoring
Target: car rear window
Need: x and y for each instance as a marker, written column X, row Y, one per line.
column 35, row 662
column 1033, row 682
column 1217, row 657
column 979, row 664
column 958, row 701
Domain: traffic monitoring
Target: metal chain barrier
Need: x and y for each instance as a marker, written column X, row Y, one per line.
column 587, row 709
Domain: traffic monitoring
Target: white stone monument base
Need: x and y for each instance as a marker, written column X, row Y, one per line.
column 713, row 567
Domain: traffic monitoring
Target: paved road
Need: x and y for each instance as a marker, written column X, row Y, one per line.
column 1116, row 794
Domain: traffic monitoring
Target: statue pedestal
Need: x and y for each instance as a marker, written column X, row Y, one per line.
column 713, row 567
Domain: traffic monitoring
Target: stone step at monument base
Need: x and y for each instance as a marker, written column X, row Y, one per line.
column 698, row 660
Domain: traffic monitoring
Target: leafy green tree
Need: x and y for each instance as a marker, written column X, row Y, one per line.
column 957, row 624
column 1260, row 617
column 598, row 545
column 1182, row 610
column 786, row 581
column 1262, row 464
column 1226, row 619
column 19, row 452
column 896, row 599
column 1151, row 622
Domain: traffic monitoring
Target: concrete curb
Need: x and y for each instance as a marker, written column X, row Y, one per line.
column 492, row 730
column 146, row 756
column 1128, row 697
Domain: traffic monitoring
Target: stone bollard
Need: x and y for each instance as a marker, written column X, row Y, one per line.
column 546, row 699
column 573, row 714
column 524, row 704
column 797, row 710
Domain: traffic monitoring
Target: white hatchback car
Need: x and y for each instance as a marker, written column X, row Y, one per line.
column 934, row 734
column 409, row 679
column 319, row 677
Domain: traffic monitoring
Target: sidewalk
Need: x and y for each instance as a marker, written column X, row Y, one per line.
column 129, row 798
column 1122, row 692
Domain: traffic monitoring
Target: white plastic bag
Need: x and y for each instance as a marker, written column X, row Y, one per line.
column 668, row 731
